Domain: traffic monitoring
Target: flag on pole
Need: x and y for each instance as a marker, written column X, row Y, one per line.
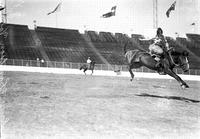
column 172, row 7
column 113, row 8
column 1, row 8
column 58, row 8
column 111, row 13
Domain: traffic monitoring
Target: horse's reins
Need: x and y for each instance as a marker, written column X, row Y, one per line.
column 172, row 60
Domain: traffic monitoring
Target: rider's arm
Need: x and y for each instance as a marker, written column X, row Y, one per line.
column 166, row 44
column 156, row 40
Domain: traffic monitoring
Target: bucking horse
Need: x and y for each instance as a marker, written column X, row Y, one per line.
column 175, row 58
column 86, row 67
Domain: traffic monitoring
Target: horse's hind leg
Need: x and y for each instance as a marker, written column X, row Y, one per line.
column 85, row 71
column 131, row 72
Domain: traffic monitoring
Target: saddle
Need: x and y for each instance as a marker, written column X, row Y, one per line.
column 159, row 59
column 156, row 56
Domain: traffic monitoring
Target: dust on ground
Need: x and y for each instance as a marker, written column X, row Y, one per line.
column 77, row 106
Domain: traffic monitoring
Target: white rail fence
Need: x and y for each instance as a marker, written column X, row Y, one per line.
column 71, row 65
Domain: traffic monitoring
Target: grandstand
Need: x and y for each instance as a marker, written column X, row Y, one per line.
column 20, row 44
column 66, row 45
column 194, row 39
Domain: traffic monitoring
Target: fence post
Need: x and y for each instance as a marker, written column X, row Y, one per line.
column 70, row 64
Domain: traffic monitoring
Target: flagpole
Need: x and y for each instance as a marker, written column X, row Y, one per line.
column 4, row 13
column 56, row 20
column 155, row 14
column 178, row 14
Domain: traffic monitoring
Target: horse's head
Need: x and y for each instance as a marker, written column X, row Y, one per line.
column 180, row 59
column 93, row 62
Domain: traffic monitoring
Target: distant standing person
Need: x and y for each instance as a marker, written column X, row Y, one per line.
column 38, row 62
column 42, row 62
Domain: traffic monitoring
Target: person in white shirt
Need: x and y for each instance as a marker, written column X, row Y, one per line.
column 42, row 62
column 89, row 62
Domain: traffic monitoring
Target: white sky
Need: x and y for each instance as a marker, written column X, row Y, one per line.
column 132, row 16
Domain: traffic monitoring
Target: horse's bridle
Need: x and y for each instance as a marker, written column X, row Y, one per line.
column 186, row 61
column 178, row 65
column 172, row 60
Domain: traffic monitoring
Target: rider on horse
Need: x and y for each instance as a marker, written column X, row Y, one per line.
column 158, row 49
column 89, row 61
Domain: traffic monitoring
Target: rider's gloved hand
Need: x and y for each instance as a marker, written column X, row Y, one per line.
column 157, row 41
column 167, row 46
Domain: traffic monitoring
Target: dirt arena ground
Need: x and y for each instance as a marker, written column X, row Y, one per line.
column 50, row 106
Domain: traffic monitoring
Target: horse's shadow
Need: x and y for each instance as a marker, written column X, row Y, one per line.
column 169, row 97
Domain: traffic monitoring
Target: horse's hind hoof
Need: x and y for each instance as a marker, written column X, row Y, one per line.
column 131, row 80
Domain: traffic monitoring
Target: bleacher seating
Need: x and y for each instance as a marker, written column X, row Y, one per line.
column 107, row 37
column 137, row 36
column 20, row 44
column 19, row 36
column 110, row 37
column 93, row 36
column 194, row 38
column 64, row 45
column 55, row 36
column 121, row 38
column 112, row 52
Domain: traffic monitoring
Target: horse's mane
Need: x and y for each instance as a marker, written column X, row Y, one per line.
column 93, row 62
column 180, row 52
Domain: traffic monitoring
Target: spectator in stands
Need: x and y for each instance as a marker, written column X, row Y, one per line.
column 89, row 62
column 42, row 62
column 158, row 48
column 38, row 62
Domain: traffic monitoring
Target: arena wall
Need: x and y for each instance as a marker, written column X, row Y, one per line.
column 96, row 72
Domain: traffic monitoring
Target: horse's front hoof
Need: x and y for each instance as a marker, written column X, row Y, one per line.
column 187, row 86
column 184, row 86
